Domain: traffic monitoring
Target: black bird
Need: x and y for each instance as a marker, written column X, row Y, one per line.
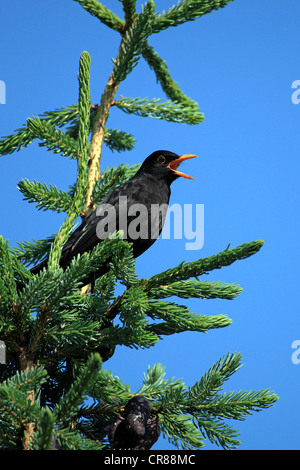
column 137, row 207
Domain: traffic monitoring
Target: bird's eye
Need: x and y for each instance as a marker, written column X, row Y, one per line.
column 161, row 159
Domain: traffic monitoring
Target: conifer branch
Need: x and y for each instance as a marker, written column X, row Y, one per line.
column 187, row 416
column 163, row 76
column 54, row 139
column 18, row 400
column 45, row 197
column 13, row 394
column 118, row 140
column 62, row 235
column 201, row 266
column 32, row 252
column 8, row 288
column 58, row 141
column 84, row 128
column 62, row 116
column 24, row 136
column 106, row 16
column 177, row 318
column 84, row 334
column 129, row 51
column 187, row 10
column 159, row 109
column 43, row 439
column 201, row 290
column 133, row 42
column 82, row 161
column 98, row 133
column 129, row 7
column 69, row 403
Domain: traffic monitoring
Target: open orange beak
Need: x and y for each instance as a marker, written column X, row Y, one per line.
column 175, row 163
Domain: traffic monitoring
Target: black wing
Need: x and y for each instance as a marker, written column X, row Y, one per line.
column 88, row 234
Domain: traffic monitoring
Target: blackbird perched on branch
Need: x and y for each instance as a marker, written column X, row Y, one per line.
column 136, row 430
column 137, row 207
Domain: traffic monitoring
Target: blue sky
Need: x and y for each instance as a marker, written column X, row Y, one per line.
column 239, row 64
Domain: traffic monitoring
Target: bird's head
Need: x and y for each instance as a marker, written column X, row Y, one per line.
column 163, row 165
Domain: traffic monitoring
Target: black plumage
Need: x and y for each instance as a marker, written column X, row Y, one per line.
column 138, row 207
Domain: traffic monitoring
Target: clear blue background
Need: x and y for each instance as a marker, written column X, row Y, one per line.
column 239, row 64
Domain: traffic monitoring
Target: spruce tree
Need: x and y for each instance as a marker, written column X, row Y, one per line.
column 55, row 392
